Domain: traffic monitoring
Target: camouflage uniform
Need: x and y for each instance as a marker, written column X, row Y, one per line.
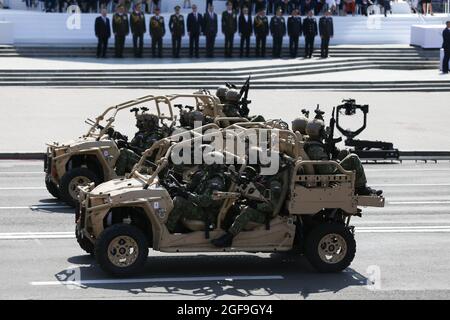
column 198, row 203
column 260, row 212
column 316, row 151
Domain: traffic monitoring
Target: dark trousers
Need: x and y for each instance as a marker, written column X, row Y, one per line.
column 245, row 41
column 309, row 46
column 445, row 61
column 193, row 45
column 229, row 38
column 138, row 44
column 261, row 46
column 324, row 47
column 119, row 44
column 277, row 45
column 102, row 46
column 293, row 46
column 157, row 45
column 176, row 44
column 210, row 40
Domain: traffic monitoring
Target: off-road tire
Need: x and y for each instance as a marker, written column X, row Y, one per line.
column 68, row 177
column 312, row 250
column 113, row 233
column 84, row 243
column 52, row 188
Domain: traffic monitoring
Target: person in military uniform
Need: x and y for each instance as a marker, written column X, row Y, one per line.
column 221, row 93
column 261, row 29
column 326, row 32
column 229, row 28
column 121, row 29
column 157, row 32
column 231, row 105
column 245, row 31
column 294, row 32
column 194, row 28
column 148, row 133
column 310, row 32
column 278, row 31
column 315, row 149
column 138, row 29
column 299, row 124
column 195, row 201
column 210, row 27
column 176, row 27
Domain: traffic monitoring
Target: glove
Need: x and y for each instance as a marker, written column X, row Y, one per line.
column 121, row 144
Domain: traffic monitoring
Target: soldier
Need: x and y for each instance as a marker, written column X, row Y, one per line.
column 229, row 28
column 294, row 32
column 121, row 29
column 278, row 31
column 138, row 29
column 310, row 32
column 195, row 200
column 326, row 32
column 157, row 32
column 299, row 124
column 210, row 30
column 148, row 133
column 176, row 27
column 221, row 93
column 315, row 149
column 245, row 31
column 261, row 28
column 194, row 28
column 231, row 105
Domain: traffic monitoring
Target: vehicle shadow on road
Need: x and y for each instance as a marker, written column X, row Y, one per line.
column 299, row 280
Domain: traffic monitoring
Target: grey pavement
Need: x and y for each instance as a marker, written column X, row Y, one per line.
column 406, row 244
column 33, row 116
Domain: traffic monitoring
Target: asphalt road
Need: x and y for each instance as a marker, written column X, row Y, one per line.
column 402, row 250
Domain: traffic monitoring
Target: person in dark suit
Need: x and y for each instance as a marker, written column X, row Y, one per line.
column 138, row 29
column 261, row 28
column 229, row 28
column 176, row 27
column 103, row 33
column 278, row 31
column 210, row 26
column 326, row 32
column 310, row 32
column 121, row 29
column 194, row 28
column 245, row 31
column 294, row 32
column 446, row 47
column 157, row 32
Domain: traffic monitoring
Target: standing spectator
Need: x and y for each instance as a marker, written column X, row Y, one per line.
column 61, row 5
column 260, row 5
column 350, row 7
column 446, row 47
column 194, row 27
column 246, row 4
column 326, row 32
column 294, row 32
column 278, row 31
column 157, row 32
column 306, row 6
column 271, row 6
column 210, row 22
column 121, row 29
column 365, row 4
column 427, row 7
column 103, row 3
column 387, row 7
column 310, row 32
column 284, row 6
column 176, row 27
column 229, row 28
column 245, row 31
column 261, row 27
column 293, row 4
column 103, row 33
column 138, row 29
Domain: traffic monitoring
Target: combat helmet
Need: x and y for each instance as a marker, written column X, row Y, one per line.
column 315, row 129
column 221, row 93
column 299, row 124
column 148, row 120
column 233, row 96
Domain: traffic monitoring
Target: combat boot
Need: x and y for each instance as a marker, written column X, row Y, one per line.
column 224, row 241
column 368, row 191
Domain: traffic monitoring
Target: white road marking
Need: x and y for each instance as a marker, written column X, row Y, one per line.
column 420, row 202
column 23, row 188
column 36, row 207
column 36, row 235
column 22, row 172
column 412, row 185
column 156, row 280
column 406, row 169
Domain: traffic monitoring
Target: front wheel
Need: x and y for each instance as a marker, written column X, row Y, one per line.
column 70, row 182
column 52, row 188
column 83, row 242
column 330, row 247
column 121, row 250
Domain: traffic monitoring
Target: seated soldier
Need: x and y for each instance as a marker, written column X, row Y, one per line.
column 195, row 201
column 221, row 93
column 130, row 153
column 315, row 149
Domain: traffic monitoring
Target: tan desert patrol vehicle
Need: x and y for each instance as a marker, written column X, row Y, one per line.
column 92, row 157
column 119, row 220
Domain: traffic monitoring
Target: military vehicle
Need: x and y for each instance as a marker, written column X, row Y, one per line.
column 119, row 220
column 92, row 157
